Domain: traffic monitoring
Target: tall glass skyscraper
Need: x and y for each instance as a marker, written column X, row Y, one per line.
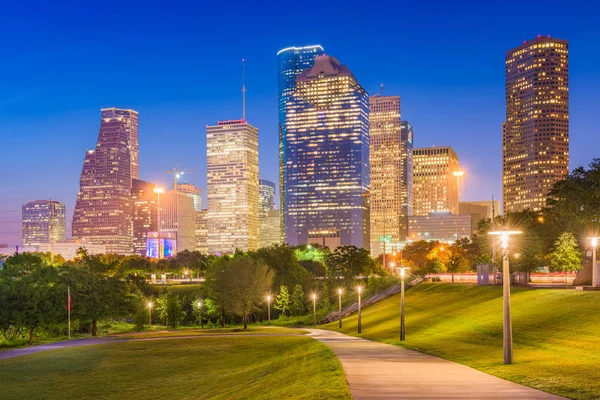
column 43, row 222
column 291, row 61
column 327, row 157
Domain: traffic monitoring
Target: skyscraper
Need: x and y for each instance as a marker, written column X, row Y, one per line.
column 103, row 211
column 391, row 169
column 202, row 231
column 192, row 191
column 232, row 178
column 270, row 226
column 43, row 221
column 535, row 138
column 266, row 197
column 178, row 217
column 327, row 156
column 144, row 213
column 435, row 189
column 291, row 61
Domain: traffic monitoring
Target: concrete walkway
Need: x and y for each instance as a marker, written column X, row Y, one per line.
column 382, row 371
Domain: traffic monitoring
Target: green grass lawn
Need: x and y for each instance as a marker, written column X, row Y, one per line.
column 220, row 368
column 252, row 329
column 556, row 332
column 184, row 289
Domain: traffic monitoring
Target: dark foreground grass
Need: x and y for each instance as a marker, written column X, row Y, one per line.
column 252, row 329
column 219, row 368
column 556, row 332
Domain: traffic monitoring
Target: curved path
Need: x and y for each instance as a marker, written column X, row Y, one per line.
column 383, row 371
column 373, row 370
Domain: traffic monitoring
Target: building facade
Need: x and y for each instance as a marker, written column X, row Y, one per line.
column 439, row 226
column 327, row 155
column 103, row 210
column 68, row 249
column 192, row 191
column 391, row 170
column 232, row 178
column 535, row 135
column 178, row 217
column 291, row 61
column 144, row 213
column 43, row 221
column 435, row 189
column 266, row 197
column 202, row 231
column 270, row 229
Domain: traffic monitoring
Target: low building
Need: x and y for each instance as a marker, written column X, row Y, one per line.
column 67, row 249
column 479, row 210
column 439, row 226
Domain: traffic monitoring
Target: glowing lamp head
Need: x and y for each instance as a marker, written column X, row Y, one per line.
column 314, row 296
column 594, row 241
column 458, row 173
column 392, row 264
column 158, row 190
column 340, row 291
column 199, row 304
column 269, row 298
column 149, row 304
column 359, row 288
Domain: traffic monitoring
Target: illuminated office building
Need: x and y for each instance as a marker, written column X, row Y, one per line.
column 327, row 156
column 391, row 169
column 435, row 189
column 103, row 210
column 439, row 226
column 192, row 191
column 291, row 61
column 232, row 178
column 266, row 197
column 270, row 221
column 202, row 231
column 535, row 135
column 178, row 217
column 43, row 221
column 144, row 214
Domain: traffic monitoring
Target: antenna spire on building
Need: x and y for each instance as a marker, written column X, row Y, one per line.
column 243, row 93
column 381, row 90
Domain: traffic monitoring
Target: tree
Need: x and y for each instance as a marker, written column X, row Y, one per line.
column 350, row 262
column 247, row 281
column 566, row 255
column 218, row 287
column 298, row 303
column 457, row 262
column 415, row 255
column 282, row 300
column 169, row 309
column 283, row 260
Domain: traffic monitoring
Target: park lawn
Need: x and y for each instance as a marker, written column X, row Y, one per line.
column 556, row 332
column 220, row 368
column 252, row 329
column 184, row 289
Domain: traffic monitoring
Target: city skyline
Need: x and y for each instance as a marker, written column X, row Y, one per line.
column 73, row 114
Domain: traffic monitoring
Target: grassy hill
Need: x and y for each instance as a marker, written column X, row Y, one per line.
column 556, row 332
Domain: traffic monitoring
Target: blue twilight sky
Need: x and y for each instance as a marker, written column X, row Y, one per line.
column 178, row 64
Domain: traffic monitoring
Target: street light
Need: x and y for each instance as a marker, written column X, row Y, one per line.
column 314, row 297
column 359, row 289
column 457, row 174
column 594, row 241
column 159, row 191
column 199, row 304
column 150, row 313
column 507, row 328
column 402, row 324
column 340, row 306
column 269, row 308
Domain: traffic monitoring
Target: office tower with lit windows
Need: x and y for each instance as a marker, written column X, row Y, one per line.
column 103, row 210
column 192, row 191
column 202, row 231
column 232, row 180
column 178, row 218
column 291, row 61
column 435, row 189
column 535, row 135
column 43, row 221
column 327, row 156
column 391, row 169
column 144, row 213
column 270, row 226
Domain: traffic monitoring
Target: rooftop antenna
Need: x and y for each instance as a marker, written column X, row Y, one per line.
column 381, row 90
column 243, row 93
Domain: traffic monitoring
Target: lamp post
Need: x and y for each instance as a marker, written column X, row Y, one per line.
column 359, row 289
column 507, row 326
column 340, row 306
column 150, row 313
column 199, row 304
column 594, row 241
column 158, row 192
column 402, row 324
column 269, row 308
column 314, row 297
column 457, row 174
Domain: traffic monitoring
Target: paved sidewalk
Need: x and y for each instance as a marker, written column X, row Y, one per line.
column 382, row 371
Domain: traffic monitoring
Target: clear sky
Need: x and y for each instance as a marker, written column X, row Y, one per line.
column 178, row 64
